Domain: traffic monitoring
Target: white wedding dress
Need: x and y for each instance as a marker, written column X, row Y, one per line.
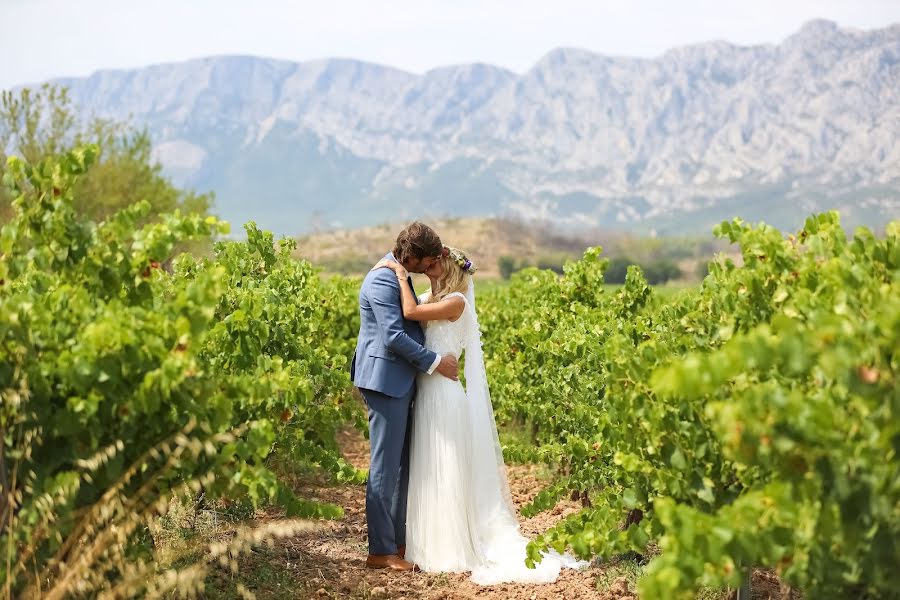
column 460, row 514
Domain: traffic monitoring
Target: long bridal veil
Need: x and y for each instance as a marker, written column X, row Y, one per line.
column 495, row 527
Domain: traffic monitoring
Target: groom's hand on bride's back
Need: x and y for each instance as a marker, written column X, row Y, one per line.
column 449, row 367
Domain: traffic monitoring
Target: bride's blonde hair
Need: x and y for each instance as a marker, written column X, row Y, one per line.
column 455, row 278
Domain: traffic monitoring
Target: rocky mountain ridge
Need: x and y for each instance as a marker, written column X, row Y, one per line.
column 671, row 144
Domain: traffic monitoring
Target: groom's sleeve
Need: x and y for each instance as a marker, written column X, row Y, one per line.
column 385, row 301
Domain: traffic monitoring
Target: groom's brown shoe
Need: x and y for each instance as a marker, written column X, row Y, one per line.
column 388, row 561
column 401, row 551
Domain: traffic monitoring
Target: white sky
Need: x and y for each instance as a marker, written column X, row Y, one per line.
column 40, row 39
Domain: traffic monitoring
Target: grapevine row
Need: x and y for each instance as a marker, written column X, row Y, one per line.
column 754, row 421
column 129, row 380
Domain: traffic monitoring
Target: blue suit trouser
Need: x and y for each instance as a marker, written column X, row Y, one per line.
column 390, row 420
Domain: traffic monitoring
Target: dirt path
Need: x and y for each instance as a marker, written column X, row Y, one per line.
column 329, row 562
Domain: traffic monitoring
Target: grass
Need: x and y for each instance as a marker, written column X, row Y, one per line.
column 183, row 536
column 515, row 434
column 263, row 572
column 625, row 569
column 671, row 290
column 629, row 571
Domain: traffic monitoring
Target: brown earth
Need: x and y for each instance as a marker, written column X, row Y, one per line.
column 484, row 240
column 329, row 562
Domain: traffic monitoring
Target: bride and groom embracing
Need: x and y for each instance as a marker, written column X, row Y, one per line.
column 437, row 498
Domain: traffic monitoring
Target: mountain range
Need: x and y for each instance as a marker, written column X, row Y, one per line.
column 672, row 144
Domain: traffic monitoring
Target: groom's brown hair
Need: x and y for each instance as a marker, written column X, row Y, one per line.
column 418, row 241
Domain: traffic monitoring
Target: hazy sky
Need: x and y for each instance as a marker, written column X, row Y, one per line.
column 40, row 39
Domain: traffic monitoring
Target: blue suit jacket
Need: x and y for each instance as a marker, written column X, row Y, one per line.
column 390, row 349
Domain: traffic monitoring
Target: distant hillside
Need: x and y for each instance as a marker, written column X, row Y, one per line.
column 353, row 252
column 672, row 145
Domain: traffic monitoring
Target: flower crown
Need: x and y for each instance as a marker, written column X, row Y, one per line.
column 457, row 256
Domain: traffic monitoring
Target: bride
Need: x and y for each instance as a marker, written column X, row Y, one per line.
column 460, row 512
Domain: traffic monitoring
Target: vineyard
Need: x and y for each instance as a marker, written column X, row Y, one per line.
column 752, row 421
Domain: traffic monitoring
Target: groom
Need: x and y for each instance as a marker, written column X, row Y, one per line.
column 389, row 352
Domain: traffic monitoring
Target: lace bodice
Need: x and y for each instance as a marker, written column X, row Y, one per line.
column 448, row 337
